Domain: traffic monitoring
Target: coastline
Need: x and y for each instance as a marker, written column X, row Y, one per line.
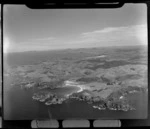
column 71, row 83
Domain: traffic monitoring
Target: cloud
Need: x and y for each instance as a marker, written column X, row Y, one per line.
column 136, row 33
column 110, row 36
column 105, row 30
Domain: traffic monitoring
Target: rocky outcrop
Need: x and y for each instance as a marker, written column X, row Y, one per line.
column 48, row 98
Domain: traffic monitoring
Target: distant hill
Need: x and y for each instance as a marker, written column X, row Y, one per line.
column 33, row 57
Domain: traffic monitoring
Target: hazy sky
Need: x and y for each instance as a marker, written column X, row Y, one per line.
column 27, row 29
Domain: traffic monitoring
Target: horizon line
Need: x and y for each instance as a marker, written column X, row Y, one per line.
column 61, row 49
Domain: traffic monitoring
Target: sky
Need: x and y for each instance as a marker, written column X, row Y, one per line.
column 48, row 29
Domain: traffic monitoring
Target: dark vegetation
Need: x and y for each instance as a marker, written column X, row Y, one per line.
column 124, row 91
column 88, row 79
column 51, row 85
column 109, row 64
column 121, row 78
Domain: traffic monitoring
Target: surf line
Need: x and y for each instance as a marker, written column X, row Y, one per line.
column 71, row 83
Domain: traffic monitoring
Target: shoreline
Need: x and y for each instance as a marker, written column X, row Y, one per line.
column 71, row 83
